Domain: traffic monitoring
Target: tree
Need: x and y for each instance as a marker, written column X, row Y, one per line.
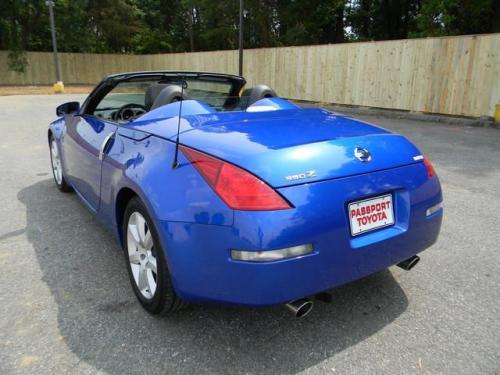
column 18, row 26
column 311, row 22
column 156, row 26
column 114, row 24
column 455, row 17
column 382, row 19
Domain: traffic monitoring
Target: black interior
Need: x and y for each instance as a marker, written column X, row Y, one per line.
column 165, row 88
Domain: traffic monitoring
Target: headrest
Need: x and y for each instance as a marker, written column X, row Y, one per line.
column 152, row 93
column 258, row 92
column 169, row 94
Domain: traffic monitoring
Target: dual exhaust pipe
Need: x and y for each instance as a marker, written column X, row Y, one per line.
column 409, row 263
column 301, row 307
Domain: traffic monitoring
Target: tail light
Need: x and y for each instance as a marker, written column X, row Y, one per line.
column 430, row 169
column 239, row 189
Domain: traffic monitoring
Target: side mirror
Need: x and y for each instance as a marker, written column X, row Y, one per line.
column 67, row 108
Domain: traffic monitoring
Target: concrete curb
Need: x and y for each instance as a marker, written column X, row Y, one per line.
column 399, row 114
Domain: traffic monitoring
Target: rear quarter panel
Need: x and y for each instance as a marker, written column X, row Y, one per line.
column 143, row 163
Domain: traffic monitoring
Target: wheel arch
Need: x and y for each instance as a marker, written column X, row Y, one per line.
column 56, row 129
column 122, row 198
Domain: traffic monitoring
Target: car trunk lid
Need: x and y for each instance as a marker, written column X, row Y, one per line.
column 296, row 146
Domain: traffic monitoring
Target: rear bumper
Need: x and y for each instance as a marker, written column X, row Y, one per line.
column 199, row 255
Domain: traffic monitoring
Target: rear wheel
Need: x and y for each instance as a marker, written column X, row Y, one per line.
column 145, row 261
column 57, row 171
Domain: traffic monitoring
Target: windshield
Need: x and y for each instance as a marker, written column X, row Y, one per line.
column 131, row 98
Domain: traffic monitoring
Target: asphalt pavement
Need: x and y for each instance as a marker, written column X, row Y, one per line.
column 66, row 305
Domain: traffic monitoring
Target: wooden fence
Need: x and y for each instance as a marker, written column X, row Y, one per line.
column 450, row 75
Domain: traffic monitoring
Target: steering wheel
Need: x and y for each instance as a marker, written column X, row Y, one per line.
column 129, row 111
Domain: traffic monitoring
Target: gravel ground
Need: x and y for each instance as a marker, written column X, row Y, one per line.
column 66, row 305
column 43, row 90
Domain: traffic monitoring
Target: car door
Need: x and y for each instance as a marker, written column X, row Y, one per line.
column 90, row 133
column 85, row 142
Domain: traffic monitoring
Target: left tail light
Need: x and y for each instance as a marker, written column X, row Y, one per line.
column 239, row 189
column 430, row 169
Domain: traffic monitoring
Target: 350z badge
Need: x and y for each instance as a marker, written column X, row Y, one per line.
column 301, row 176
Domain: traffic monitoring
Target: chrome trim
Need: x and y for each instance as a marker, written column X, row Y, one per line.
column 104, row 144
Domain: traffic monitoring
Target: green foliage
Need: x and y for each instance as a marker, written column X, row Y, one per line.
column 114, row 24
column 156, row 26
column 454, row 17
column 311, row 22
column 17, row 61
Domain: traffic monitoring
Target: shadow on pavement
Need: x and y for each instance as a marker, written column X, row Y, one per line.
column 101, row 322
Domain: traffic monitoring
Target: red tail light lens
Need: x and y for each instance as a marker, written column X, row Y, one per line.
column 239, row 189
column 430, row 169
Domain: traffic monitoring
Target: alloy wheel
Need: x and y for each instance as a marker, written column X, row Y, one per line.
column 141, row 255
column 56, row 162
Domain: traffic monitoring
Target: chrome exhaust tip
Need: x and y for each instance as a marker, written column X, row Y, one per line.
column 300, row 307
column 409, row 263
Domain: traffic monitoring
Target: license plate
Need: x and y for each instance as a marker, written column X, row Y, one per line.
column 371, row 214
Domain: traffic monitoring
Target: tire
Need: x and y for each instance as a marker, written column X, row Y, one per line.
column 57, row 171
column 145, row 261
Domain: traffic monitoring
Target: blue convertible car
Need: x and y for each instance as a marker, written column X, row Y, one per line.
column 223, row 194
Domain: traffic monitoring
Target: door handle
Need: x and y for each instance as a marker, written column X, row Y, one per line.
column 105, row 144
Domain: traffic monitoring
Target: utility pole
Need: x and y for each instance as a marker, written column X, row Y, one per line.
column 240, row 70
column 58, row 86
column 191, row 25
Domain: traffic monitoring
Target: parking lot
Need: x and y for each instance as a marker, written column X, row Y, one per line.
column 66, row 305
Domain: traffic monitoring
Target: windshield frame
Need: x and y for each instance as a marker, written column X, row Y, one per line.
column 110, row 82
